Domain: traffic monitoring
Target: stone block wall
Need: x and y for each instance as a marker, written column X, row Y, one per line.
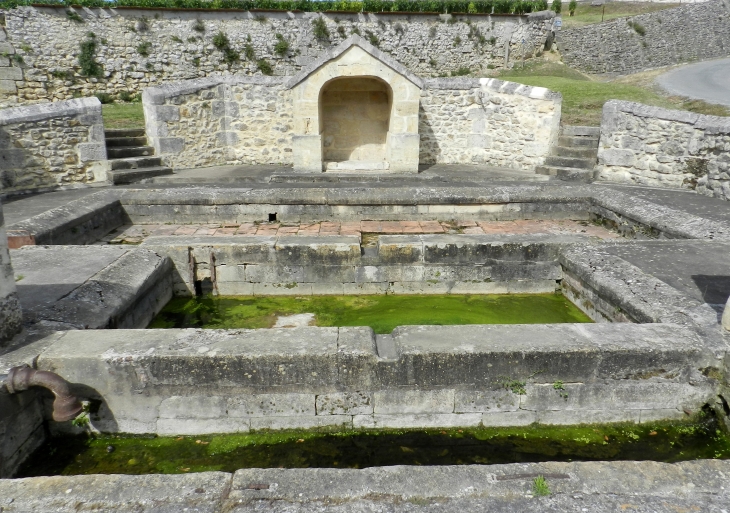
column 22, row 429
column 249, row 120
column 487, row 121
column 10, row 315
column 682, row 34
column 220, row 120
column 653, row 146
column 213, row 381
column 51, row 144
column 48, row 41
column 400, row 264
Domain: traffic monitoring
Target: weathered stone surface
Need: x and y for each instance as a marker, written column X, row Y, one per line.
column 695, row 31
column 410, row 41
column 10, row 313
column 196, row 493
column 649, row 487
column 654, row 146
column 51, row 144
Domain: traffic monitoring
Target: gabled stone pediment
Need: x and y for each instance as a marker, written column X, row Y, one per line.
column 352, row 41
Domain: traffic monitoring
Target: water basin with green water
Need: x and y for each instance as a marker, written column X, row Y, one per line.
column 382, row 313
column 698, row 438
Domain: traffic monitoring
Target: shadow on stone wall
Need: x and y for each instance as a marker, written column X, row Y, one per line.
column 715, row 289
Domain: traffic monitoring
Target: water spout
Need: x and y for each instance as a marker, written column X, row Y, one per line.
column 65, row 406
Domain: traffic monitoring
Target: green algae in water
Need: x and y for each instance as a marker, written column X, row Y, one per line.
column 659, row 441
column 382, row 313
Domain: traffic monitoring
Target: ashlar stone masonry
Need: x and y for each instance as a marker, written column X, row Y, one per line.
column 274, row 120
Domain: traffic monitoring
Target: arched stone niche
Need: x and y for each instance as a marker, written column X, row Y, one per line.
column 353, row 90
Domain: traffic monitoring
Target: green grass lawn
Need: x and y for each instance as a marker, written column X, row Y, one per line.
column 583, row 97
column 123, row 115
column 585, row 13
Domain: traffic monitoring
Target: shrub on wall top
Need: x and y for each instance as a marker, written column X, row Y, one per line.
column 439, row 6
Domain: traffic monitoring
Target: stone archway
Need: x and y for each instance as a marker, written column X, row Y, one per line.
column 354, row 117
column 355, row 63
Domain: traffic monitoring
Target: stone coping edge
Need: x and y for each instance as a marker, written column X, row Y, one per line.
column 158, row 94
column 42, row 111
column 712, row 124
column 493, row 84
column 573, row 485
column 354, row 40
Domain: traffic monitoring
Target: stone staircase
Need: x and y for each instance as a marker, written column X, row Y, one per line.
column 575, row 156
column 130, row 158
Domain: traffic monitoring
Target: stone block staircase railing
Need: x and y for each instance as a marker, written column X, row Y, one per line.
column 130, row 158
column 575, row 156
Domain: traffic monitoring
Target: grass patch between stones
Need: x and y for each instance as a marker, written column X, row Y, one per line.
column 123, row 115
column 697, row 437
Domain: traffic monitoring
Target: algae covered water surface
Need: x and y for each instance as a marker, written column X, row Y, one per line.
column 659, row 441
column 382, row 313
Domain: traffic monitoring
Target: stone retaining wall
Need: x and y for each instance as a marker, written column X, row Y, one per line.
column 249, row 120
column 220, row 120
column 654, row 146
column 682, row 34
column 487, row 121
column 400, row 264
column 10, row 314
column 212, row 381
column 48, row 40
column 44, row 146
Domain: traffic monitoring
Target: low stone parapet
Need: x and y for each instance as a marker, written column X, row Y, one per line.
column 653, row 146
column 199, row 381
column 51, row 144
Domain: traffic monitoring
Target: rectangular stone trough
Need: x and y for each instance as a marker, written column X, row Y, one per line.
column 221, row 381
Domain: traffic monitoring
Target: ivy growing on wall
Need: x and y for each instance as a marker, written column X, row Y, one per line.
column 87, row 57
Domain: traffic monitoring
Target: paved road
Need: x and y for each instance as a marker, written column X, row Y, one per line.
column 709, row 81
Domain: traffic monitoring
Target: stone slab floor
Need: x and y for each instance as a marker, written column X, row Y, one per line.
column 135, row 234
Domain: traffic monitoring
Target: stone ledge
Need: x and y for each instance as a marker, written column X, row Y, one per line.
column 158, row 94
column 354, row 40
column 493, row 84
column 595, row 486
column 716, row 124
column 43, row 111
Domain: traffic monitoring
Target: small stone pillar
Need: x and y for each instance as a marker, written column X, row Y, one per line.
column 726, row 316
column 11, row 319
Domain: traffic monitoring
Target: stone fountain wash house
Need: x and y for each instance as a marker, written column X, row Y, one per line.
column 354, row 109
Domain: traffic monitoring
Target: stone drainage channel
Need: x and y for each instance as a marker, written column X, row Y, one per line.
column 656, row 352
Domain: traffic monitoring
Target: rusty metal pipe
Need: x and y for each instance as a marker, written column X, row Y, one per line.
column 65, row 406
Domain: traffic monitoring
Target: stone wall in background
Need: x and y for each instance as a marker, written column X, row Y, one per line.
column 138, row 48
column 487, row 121
column 654, row 146
column 10, row 315
column 682, row 34
column 51, row 144
column 248, row 120
column 220, row 120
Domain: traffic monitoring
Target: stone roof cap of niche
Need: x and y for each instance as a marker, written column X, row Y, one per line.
column 354, row 40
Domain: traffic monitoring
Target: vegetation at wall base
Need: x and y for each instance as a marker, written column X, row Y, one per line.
column 424, row 6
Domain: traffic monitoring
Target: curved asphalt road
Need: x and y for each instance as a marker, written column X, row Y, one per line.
column 709, row 81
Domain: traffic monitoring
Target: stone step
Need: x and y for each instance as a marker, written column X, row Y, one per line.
column 580, row 152
column 119, row 142
column 130, row 151
column 574, row 142
column 576, row 162
column 135, row 163
column 124, row 132
column 567, row 174
column 581, row 131
column 122, row 176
